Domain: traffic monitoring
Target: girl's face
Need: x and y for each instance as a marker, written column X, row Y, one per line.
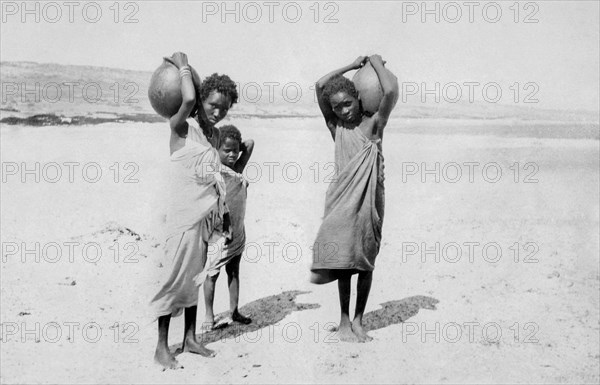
column 345, row 106
column 216, row 106
column 229, row 152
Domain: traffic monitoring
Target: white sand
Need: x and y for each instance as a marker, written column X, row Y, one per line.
column 547, row 311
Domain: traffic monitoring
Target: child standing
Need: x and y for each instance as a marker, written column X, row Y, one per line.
column 348, row 240
column 196, row 211
column 234, row 154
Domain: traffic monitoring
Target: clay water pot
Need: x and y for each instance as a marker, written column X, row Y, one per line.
column 369, row 88
column 164, row 91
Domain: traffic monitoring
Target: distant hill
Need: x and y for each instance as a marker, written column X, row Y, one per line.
column 90, row 92
column 69, row 90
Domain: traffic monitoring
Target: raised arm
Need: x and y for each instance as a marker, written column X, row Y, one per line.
column 328, row 114
column 199, row 111
column 389, row 85
column 246, row 149
column 178, row 122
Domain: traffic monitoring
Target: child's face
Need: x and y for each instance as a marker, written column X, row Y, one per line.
column 345, row 106
column 229, row 152
column 216, row 106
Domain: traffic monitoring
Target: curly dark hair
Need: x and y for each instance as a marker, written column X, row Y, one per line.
column 229, row 131
column 219, row 83
column 339, row 83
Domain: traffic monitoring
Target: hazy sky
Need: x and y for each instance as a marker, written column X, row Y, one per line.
column 559, row 52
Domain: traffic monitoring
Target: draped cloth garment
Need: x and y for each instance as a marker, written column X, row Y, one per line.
column 350, row 234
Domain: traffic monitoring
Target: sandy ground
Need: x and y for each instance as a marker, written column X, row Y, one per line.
column 81, row 258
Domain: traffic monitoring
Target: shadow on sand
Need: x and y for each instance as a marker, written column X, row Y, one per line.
column 395, row 312
column 264, row 312
column 270, row 310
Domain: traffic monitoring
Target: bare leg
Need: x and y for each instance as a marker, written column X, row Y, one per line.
column 163, row 355
column 363, row 288
column 344, row 332
column 209, row 298
column 233, row 280
column 190, row 343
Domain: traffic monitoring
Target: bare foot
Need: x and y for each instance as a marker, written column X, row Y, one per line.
column 237, row 317
column 207, row 327
column 166, row 360
column 209, row 323
column 360, row 332
column 344, row 333
column 193, row 346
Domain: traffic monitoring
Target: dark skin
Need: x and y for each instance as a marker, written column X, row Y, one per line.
column 234, row 155
column 210, row 111
column 342, row 109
